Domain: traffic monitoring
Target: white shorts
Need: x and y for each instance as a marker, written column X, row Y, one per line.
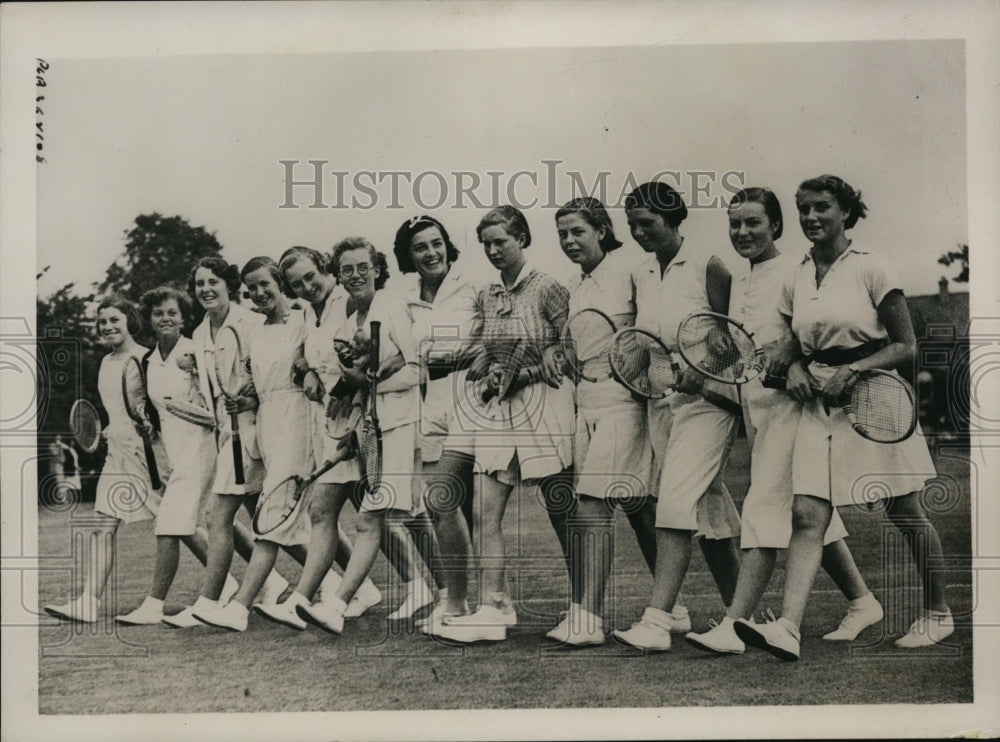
column 832, row 462
column 529, row 436
column 767, row 509
column 439, row 428
column 692, row 494
column 400, row 471
column 611, row 452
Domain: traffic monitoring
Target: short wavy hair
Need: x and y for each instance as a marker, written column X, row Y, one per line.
column 154, row 297
column 510, row 218
column 293, row 255
column 133, row 320
column 360, row 243
column 766, row 198
column 405, row 235
column 847, row 197
column 226, row 271
column 660, row 198
column 593, row 212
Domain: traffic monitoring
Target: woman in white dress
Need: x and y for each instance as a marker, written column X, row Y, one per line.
column 755, row 222
column 124, row 493
column 363, row 271
column 305, row 275
column 442, row 303
column 190, row 448
column 845, row 305
column 215, row 284
column 526, row 437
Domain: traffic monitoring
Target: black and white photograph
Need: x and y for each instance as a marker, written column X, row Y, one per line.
column 459, row 370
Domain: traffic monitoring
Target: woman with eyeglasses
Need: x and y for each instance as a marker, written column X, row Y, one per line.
column 363, row 271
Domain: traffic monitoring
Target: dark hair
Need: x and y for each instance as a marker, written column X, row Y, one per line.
column 155, row 297
column 766, row 198
column 226, row 271
column 594, row 213
column 405, row 235
column 293, row 255
column 661, row 199
column 848, row 198
column 508, row 217
column 255, row 264
column 360, row 243
column 133, row 322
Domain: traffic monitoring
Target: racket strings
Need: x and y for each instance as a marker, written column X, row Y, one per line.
column 882, row 406
column 275, row 507
column 86, row 425
column 586, row 340
column 642, row 364
column 229, row 363
column 717, row 346
column 133, row 389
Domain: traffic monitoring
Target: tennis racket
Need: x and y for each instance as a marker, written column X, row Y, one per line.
column 371, row 437
column 283, row 501
column 134, row 396
column 230, row 370
column 720, row 348
column 584, row 344
column 880, row 405
column 85, row 423
column 644, row 365
column 192, row 413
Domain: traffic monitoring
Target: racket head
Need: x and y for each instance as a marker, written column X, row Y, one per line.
column 278, row 504
column 585, row 341
column 880, row 406
column 229, row 361
column 508, row 360
column 134, row 389
column 85, row 423
column 189, row 412
column 338, row 424
column 642, row 363
column 719, row 347
column 370, row 454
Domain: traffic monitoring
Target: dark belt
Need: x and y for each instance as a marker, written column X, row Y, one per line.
column 844, row 356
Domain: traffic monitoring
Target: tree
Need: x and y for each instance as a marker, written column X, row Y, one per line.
column 158, row 251
column 960, row 256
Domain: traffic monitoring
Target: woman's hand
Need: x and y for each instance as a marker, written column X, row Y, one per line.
column 480, row 367
column 834, row 388
column 691, row 381
column 354, row 376
column 143, row 427
column 800, row 383
column 312, row 385
column 552, row 362
column 241, row 403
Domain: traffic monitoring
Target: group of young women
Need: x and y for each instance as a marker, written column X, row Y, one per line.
column 454, row 453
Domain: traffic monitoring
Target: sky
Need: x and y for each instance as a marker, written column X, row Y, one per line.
column 203, row 137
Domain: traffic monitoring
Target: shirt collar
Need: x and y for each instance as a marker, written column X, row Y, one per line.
column 527, row 271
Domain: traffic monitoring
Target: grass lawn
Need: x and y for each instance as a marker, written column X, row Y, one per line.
column 107, row 669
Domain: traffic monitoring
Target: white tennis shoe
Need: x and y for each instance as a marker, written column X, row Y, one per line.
column 183, row 620
column 418, row 597
column 720, row 639
column 650, row 633
column 229, row 589
column 929, row 629
column 82, row 609
column 858, row 618
column 487, row 624
column 149, row 613
column 284, row 613
column 580, row 628
column 777, row 636
column 274, row 587
column 328, row 615
column 233, row 616
column 367, row 596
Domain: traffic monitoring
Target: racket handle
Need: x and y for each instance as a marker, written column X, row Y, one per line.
column 154, row 472
column 237, row 449
column 774, row 382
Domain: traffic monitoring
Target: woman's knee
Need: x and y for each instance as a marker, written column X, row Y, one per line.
column 369, row 522
column 810, row 514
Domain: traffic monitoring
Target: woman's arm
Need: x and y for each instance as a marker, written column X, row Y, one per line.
column 902, row 347
column 718, row 284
